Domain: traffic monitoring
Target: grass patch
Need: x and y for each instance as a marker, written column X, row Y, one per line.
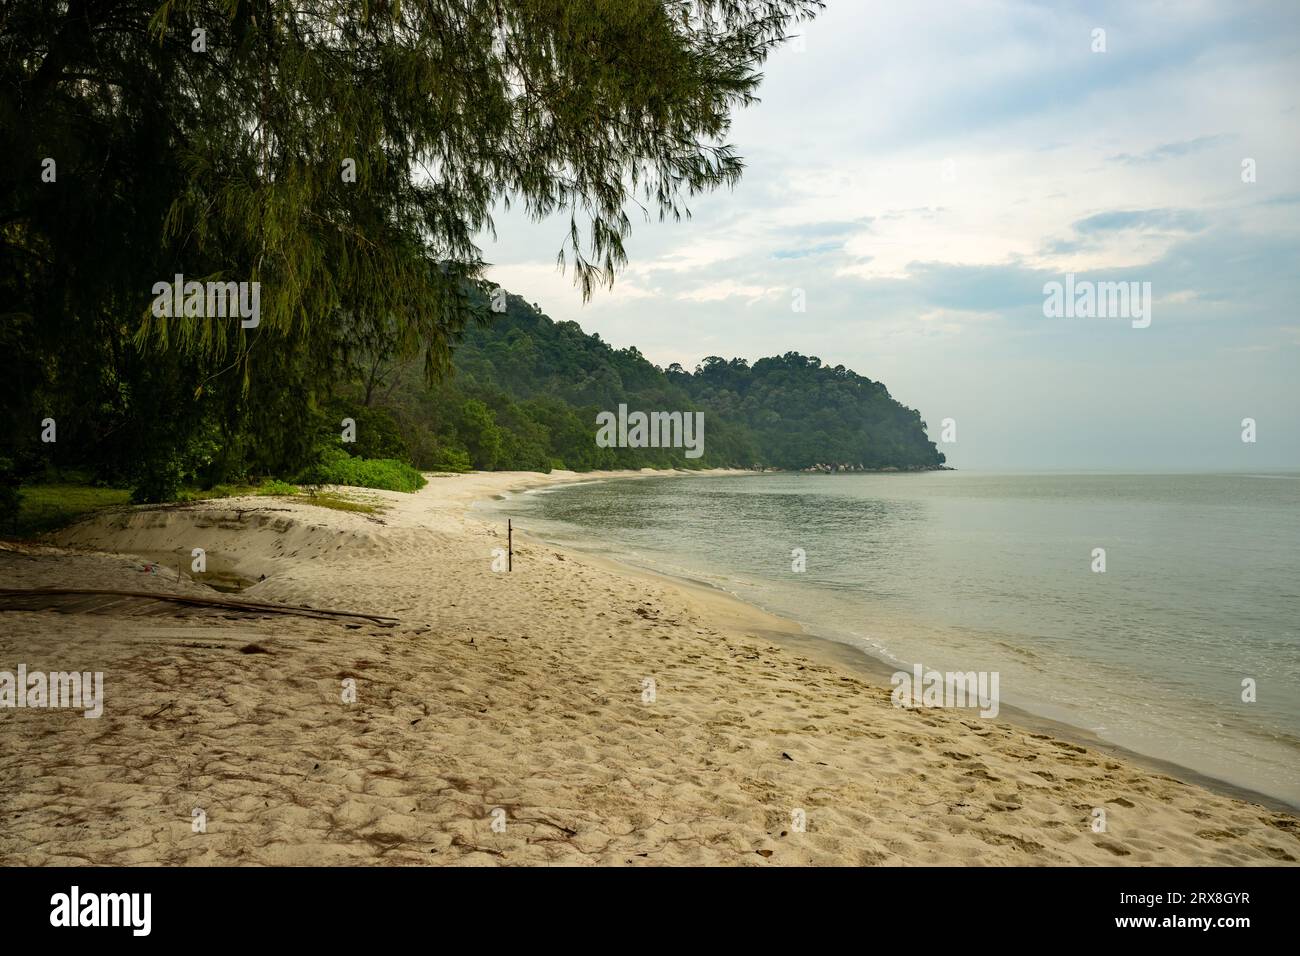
column 47, row 507
column 273, row 486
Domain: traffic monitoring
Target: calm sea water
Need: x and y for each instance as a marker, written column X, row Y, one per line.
column 978, row 572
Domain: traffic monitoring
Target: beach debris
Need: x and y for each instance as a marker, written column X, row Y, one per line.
column 253, row 649
column 135, row 603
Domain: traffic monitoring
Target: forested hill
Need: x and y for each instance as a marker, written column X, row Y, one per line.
column 523, row 393
column 526, row 392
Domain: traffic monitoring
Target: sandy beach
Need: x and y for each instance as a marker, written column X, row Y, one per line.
column 568, row 712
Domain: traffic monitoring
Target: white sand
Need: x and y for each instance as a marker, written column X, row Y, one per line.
column 520, row 693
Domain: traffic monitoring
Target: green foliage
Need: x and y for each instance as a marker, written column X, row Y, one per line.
column 10, row 497
column 337, row 467
column 228, row 165
column 277, row 487
column 160, row 480
column 377, row 432
column 451, row 459
column 477, row 428
column 46, row 507
column 527, row 390
column 801, row 413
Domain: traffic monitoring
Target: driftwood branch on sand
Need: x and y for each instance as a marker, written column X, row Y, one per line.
column 47, row 598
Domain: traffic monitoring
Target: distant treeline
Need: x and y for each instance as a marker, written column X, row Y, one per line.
column 526, row 392
column 523, row 393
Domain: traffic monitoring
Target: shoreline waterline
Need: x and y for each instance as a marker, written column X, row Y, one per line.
column 809, row 638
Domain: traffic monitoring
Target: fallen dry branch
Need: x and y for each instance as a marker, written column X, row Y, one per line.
column 12, row 599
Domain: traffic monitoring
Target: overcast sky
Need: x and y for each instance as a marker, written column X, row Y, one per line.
column 920, row 170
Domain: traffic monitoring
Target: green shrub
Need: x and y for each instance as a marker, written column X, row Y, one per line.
column 377, row 431
column 451, row 459
column 159, row 480
column 273, row 486
column 480, row 434
column 337, row 467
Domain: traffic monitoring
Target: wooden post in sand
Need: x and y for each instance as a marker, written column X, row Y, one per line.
column 510, row 546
